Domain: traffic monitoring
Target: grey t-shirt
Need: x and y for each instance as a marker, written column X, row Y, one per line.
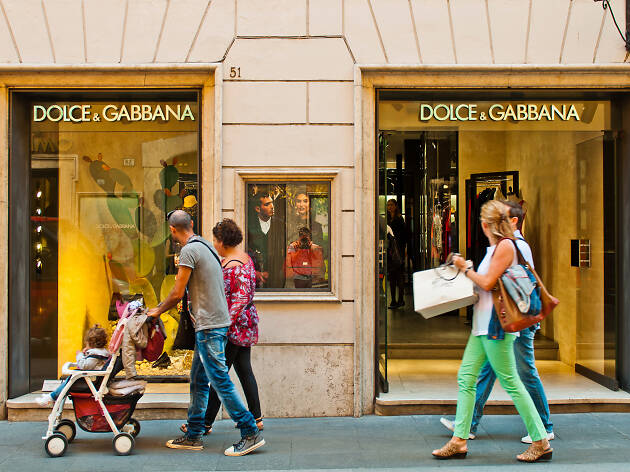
column 205, row 287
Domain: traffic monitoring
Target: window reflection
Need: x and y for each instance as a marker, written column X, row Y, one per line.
column 101, row 189
column 288, row 234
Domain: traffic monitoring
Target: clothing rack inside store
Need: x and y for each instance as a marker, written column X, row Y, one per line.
column 506, row 183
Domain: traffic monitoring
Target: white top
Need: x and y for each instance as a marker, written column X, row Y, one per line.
column 482, row 311
column 265, row 225
column 524, row 248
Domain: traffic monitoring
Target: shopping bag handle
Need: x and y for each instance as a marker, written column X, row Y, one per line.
column 448, row 262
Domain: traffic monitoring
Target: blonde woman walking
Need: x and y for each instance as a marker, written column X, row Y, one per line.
column 489, row 342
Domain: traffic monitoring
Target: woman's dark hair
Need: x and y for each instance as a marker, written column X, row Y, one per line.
column 228, row 232
column 304, row 231
column 96, row 337
column 515, row 210
column 396, row 207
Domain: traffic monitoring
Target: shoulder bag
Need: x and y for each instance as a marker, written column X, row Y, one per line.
column 531, row 305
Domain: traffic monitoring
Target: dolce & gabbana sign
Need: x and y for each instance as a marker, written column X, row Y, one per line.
column 112, row 112
column 498, row 112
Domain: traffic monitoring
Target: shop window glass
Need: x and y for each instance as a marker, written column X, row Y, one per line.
column 104, row 173
column 442, row 156
column 288, row 235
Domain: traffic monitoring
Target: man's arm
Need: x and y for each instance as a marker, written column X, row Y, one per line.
column 175, row 295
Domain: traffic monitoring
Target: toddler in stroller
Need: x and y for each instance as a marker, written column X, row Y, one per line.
column 100, row 405
column 94, row 356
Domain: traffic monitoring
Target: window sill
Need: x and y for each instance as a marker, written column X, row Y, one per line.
column 296, row 297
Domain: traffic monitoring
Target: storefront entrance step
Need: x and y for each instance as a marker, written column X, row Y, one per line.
column 425, row 386
column 496, row 409
column 441, row 351
column 161, row 401
column 546, row 349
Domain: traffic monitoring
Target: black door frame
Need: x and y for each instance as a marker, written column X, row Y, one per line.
column 19, row 247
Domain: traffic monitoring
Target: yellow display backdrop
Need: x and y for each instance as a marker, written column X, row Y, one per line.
column 120, row 168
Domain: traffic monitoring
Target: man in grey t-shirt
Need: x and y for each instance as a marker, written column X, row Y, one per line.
column 205, row 287
column 200, row 270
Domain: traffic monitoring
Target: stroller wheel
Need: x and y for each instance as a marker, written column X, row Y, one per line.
column 56, row 445
column 67, row 428
column 133, row 427
column 123, row 444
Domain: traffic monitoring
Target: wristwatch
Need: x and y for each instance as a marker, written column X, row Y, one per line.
column 467, row 269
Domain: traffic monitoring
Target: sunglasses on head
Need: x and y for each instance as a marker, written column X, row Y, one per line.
column 168, row 215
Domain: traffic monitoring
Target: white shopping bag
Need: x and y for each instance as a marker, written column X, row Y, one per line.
column 440, row 290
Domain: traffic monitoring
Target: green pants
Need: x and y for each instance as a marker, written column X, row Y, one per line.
column 500, row 354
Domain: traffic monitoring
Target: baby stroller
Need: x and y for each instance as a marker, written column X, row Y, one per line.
column 100, row 406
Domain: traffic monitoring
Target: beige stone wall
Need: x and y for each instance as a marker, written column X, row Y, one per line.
column 375, row 31
column 286, row 117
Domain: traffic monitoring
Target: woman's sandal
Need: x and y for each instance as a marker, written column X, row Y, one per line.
column 449, row 451
column 536, row 453
column 184, row 429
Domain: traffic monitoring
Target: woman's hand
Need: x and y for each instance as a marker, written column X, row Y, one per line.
column 460, row 262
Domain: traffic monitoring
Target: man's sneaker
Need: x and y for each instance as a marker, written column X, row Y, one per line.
column 184, row 442
column 528, row 440
column 44, row 400
column 450, row 425
column 245, row 445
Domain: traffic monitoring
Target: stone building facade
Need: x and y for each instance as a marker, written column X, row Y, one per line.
column 287, row 90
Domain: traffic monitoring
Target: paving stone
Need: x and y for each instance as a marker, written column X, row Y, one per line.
column 585, row 442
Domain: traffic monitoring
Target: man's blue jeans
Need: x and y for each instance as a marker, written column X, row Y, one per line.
column 526, row 367
column 208, row 367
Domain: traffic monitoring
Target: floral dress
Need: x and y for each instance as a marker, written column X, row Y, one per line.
column 240, row 285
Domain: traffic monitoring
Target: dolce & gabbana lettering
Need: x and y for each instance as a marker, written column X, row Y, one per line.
column 532, row 112
column 75, row 113
column 449, row 112
column 112, row 112
column 498, row 112
column 147, row 113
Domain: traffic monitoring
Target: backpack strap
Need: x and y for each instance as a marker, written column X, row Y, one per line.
column 209, row 248
column 185, row 298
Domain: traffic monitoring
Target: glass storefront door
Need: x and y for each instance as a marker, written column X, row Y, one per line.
column 556, row 157
column 104, row 170
column 382, row 282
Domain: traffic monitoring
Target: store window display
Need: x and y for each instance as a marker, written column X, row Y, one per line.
column 443, row 155
column 288, row 235
column 105, row 170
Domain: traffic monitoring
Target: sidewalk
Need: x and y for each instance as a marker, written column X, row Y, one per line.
column 585, row 442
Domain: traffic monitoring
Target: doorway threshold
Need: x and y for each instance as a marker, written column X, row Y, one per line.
column 429, row 386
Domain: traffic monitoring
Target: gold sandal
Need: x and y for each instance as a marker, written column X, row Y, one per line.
column 184, row 429
column 449, row 451
column 537, row 453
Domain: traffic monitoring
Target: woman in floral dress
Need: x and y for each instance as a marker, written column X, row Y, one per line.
column 239, row 276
